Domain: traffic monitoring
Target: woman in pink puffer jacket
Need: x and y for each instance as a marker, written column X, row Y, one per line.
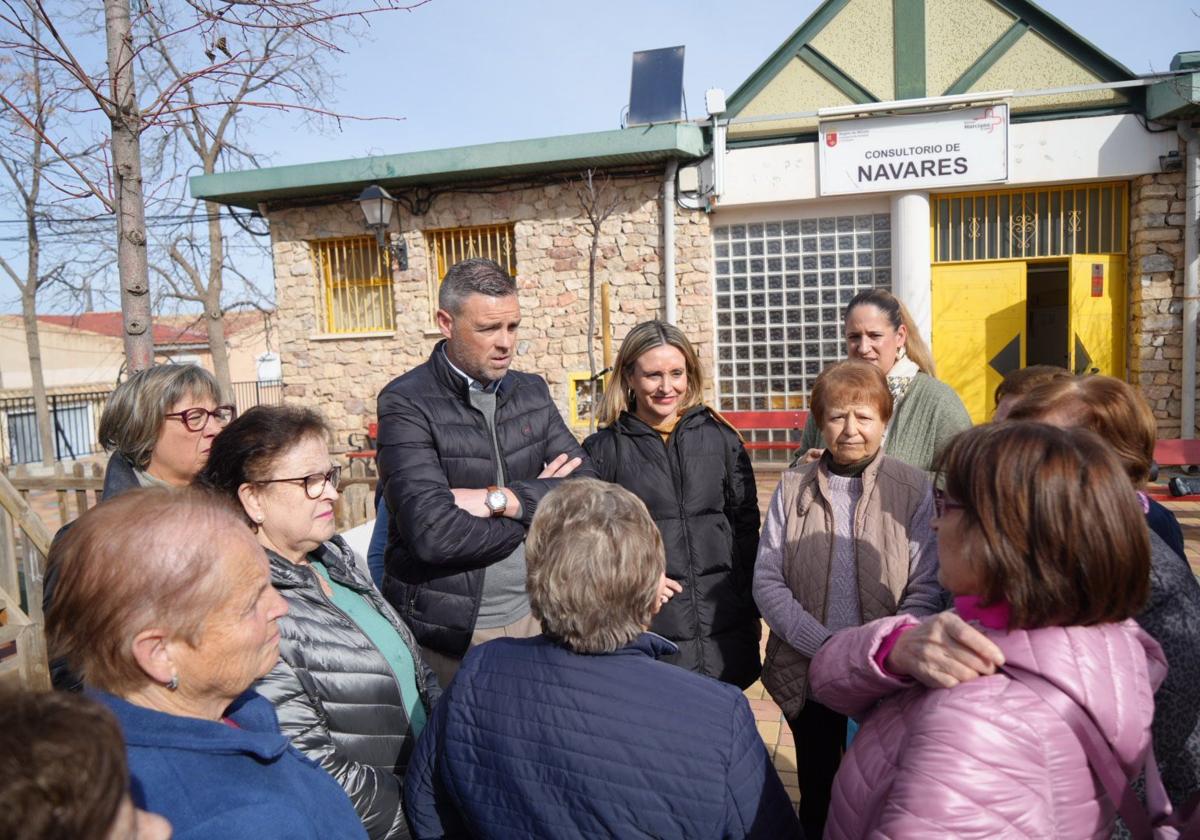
column 1046, row 552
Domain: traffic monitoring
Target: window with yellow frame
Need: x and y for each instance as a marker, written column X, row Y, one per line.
column 354, row 293
column 453, row 245
column 579, row 400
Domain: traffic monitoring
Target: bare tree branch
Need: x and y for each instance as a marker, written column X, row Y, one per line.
column 598, row 200
column 258, row 56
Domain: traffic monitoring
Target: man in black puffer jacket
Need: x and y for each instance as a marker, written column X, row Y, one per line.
column 466, row 450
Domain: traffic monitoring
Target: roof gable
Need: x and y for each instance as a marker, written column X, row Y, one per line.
column 860, row 51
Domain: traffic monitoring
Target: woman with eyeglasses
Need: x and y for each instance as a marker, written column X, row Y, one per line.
column 1045, row 550
column 350, row 688
column 158, row 427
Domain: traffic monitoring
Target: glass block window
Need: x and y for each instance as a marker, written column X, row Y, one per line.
column 780, row 290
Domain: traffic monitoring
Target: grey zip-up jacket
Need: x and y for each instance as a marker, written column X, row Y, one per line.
column 335, row 694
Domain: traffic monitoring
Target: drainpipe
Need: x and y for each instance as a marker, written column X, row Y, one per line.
column 667, row 214
column 1191, row 281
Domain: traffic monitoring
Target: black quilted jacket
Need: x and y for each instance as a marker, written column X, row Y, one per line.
column 700, row 490
column 335, row 694
column 1172, row 617
column 431, row 439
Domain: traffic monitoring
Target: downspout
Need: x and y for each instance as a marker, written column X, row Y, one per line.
column 1191, row 280
column 667, row 214
column 718, row 132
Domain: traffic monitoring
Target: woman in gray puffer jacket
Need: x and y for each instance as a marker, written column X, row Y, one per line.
column 350, row 688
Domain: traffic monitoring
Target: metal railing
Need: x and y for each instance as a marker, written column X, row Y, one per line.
column 76, row 419
column 249, row 394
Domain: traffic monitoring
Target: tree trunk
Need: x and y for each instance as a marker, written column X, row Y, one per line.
column 214, row 316
column 33, row 267
column 132, row 266
column 41, row 407
column 591, row 325
column 220, row 356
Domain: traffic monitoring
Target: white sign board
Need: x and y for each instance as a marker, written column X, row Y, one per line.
column 917, row 151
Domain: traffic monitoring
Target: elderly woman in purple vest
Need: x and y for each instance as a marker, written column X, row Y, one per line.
column 847, row 540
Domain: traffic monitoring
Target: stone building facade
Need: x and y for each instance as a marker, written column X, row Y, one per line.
column 1156, row 294
column 342, row 374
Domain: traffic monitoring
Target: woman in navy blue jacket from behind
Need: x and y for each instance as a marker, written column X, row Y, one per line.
column 165, row 607
column 579, row 732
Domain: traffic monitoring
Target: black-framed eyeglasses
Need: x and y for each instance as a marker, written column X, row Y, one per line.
column 314, row 485
column 197, row 418
column 943, row 503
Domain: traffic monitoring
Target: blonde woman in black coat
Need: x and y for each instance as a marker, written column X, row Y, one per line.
column 689, row 467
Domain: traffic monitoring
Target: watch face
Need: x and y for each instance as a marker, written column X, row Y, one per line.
column 496, row 500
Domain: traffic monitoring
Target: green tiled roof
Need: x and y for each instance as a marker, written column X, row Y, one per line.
column 346, row 178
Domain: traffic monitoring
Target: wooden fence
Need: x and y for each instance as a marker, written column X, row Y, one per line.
column 24, row 543
column 356, row 502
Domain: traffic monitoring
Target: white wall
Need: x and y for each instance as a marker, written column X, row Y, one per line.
column 69, row 357
column 1050, row 152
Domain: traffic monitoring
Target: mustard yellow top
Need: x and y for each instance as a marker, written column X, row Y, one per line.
column 666, row 427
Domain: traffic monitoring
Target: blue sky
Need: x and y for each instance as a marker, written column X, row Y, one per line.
column 476, row 71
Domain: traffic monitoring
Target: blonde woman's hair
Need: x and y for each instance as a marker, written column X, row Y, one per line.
column 898, row 315
column 593, row 560
column 642, row 338
column 133, row 417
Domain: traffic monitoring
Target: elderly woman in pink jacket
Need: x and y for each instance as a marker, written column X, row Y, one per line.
column 1046, row 552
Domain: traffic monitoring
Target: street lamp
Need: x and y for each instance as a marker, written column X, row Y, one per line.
column 377, row 205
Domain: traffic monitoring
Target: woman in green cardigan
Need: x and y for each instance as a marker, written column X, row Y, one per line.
column 926, row 412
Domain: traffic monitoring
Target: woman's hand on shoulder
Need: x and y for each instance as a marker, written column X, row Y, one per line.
column 943, row 651
column 810, row 456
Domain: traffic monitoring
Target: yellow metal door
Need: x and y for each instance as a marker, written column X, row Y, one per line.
column 1097, row 314
column 978, row 329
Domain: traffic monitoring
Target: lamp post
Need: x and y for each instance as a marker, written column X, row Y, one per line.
column 377, row 205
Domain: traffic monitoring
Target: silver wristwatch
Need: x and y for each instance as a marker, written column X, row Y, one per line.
column 496, row 501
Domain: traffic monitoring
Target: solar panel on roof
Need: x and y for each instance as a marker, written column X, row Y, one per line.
column 656, row 91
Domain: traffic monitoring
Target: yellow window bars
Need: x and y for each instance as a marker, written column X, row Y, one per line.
column 452, row 245
column 355, row 293
column 1027, row 224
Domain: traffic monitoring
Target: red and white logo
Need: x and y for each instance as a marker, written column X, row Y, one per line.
column 831, row 139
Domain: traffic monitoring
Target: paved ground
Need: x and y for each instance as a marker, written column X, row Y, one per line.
column 771, row 726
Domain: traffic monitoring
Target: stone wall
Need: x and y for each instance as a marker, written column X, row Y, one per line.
column 341, row 375
column 1156, row 295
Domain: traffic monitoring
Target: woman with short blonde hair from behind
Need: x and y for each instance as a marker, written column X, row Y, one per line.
column 593, row 566
column 580, row 731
